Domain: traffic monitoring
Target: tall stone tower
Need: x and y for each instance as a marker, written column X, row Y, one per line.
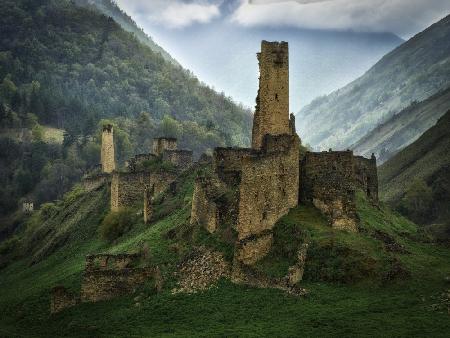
column 272, row 102
column 107, row 156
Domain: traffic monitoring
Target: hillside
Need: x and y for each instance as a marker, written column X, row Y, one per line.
column 414, row 71
column 417, row 179
column 403, row 128
column 110, row 8
column 68, row 67
column 343, row 270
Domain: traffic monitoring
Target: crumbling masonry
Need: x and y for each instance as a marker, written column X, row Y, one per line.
column 252, row 188
column 107, row 152
column 130, row 188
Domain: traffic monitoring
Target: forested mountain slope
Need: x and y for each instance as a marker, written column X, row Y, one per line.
column 69, row 67
column 403, row 128
column 417, row 179
column 110, row 8
column 414, row 71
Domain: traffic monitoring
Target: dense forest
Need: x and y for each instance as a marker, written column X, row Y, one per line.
column 73, row 68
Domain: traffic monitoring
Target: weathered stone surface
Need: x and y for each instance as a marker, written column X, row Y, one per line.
column 366, row 175
column 107, row 151
column 94, row 182
column 201, row 271
column 61, row 299
column 269, row 185
column 106, row 284
column 161, row 144
column 181, row 159
column 136, row 163
column 272, row 103
column 253, row 249
column 204, row 209
column 127, row 189
column 148, row 208
column 110, row 275
column 295, row 273
column 329, row 180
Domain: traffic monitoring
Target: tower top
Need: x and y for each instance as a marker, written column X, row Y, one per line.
column 272, row 103
column 108, row 127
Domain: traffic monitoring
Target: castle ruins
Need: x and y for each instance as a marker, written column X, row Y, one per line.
column 264, row 182
column 247, row 191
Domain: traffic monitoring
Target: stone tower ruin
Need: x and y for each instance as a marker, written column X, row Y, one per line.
column 107, row 155
column 162, row 144
column 272, row 103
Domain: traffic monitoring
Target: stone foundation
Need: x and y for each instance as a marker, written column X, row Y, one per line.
column 61, row 299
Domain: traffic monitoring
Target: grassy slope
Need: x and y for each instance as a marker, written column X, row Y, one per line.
column 368, row 307
column 403, row 128
column 412, row 72
column 428, row 158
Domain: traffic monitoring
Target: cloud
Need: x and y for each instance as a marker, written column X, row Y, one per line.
column 173, row 14
column 403, row 17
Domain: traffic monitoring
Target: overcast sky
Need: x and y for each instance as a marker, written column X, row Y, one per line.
column 402, row 17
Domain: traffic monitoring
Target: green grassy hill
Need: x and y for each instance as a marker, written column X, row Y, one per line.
column 412, row 72
column 403, row 128
column 384, row 281
column 417, row 179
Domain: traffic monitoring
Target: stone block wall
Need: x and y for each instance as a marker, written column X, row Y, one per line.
column 107, row 151
column 366, row 175
column 99, row 285
column 164, row 143
column 263, row 186
column 327, row 181
column 61, row 299
column 269, row 185
column 272, row 103
column 127, row 189
column 94, row 182
column 182, row 159
column 136, row 163
column 227, row 163
column 110, row 275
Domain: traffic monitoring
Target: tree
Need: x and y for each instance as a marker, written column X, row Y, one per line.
column 417, row 201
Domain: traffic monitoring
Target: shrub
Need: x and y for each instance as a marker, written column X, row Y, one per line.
column 116, row 224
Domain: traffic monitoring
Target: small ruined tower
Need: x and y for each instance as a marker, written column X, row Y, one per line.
column 272, row 102
column 107, row 155
column 161, row 144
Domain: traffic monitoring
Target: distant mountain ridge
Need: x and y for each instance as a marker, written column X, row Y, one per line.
column 414, row 71
column 427, row 160
column 223, row 55
column 110, row 8
column 403, row 128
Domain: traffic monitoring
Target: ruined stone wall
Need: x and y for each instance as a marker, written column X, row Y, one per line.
column 102, row 285
column 136, row 163
column 269, row 185
column 61, row 299
column 107, row 151
column 204, row 210
column 366, row 175
column 227, row 163
column 272, row 103
column 94, row 182
column 327, row 181
column 182, row 159
column 164, row 143
column 127, row 189
column 107, row 276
